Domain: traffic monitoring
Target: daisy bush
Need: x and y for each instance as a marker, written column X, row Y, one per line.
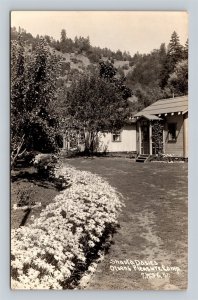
column 55, row 250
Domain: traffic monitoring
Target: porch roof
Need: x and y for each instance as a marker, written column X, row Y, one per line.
column 165, row 106
column 150, row 117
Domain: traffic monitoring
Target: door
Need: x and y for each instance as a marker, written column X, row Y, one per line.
column 145, row 139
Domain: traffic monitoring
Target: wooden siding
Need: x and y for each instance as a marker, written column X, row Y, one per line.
column 127, row 143
column 175, row 147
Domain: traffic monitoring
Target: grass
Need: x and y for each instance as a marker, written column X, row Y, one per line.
column 153, row 223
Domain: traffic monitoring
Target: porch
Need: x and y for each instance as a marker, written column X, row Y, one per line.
column 150, row 135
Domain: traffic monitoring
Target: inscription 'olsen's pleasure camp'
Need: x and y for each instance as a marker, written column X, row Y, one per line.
column 149, row 269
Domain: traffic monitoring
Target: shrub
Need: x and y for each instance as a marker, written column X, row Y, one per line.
column 45, row 163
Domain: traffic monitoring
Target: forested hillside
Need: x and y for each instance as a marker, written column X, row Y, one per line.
column 153, row 76
column 69, row 84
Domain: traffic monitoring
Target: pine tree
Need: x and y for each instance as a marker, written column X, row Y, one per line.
column 63, row 41
column 185, row 50
column 175, row 52
column 63, row 36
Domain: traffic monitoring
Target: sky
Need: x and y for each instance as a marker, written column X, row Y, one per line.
column 125, row 30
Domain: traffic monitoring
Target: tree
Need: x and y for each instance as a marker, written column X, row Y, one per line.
column 147, row 68
column 63, row 36
column 82, row 44
column 48, row 39
column 108, row 72
column 185, row 50
column 95, row 105
column 118, row 55
column 33, row 90
column 63, row 41
column 41, row 94
column 18, row 90
column 175, row 51
column 178, row 80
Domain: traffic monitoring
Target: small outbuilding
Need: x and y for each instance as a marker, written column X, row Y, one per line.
column 163, row 127
column 122, row 141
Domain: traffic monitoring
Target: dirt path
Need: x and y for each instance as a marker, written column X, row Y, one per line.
column 153, row 225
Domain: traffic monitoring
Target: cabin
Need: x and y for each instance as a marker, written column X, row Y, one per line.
column 163, row 127
column 122, row 141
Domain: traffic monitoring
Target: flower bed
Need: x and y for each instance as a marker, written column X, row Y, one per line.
column 58, row 247
column 170, row 158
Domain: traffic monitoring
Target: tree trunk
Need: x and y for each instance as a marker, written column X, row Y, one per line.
column 89, row 142
column 17, row 154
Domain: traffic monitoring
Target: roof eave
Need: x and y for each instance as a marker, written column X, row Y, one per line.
column 184, row 112
column 150, row 117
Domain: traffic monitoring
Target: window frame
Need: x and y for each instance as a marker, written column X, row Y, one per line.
column 116, row 134
column 172, row 139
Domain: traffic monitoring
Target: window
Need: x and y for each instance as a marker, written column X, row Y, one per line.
column 116, row 137
column 172, row 128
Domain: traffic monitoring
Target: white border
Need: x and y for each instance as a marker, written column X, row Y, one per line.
column 5, row 7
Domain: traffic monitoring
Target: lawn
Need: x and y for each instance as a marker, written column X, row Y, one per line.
column 153, row 225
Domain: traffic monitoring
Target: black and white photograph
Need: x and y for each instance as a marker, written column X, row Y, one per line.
column 99, row 150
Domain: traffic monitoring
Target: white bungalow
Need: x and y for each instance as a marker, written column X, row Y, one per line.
column 122, row 141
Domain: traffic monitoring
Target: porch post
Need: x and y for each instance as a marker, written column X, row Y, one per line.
column 140, row 139
column 150, row 139
column 163, row 140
